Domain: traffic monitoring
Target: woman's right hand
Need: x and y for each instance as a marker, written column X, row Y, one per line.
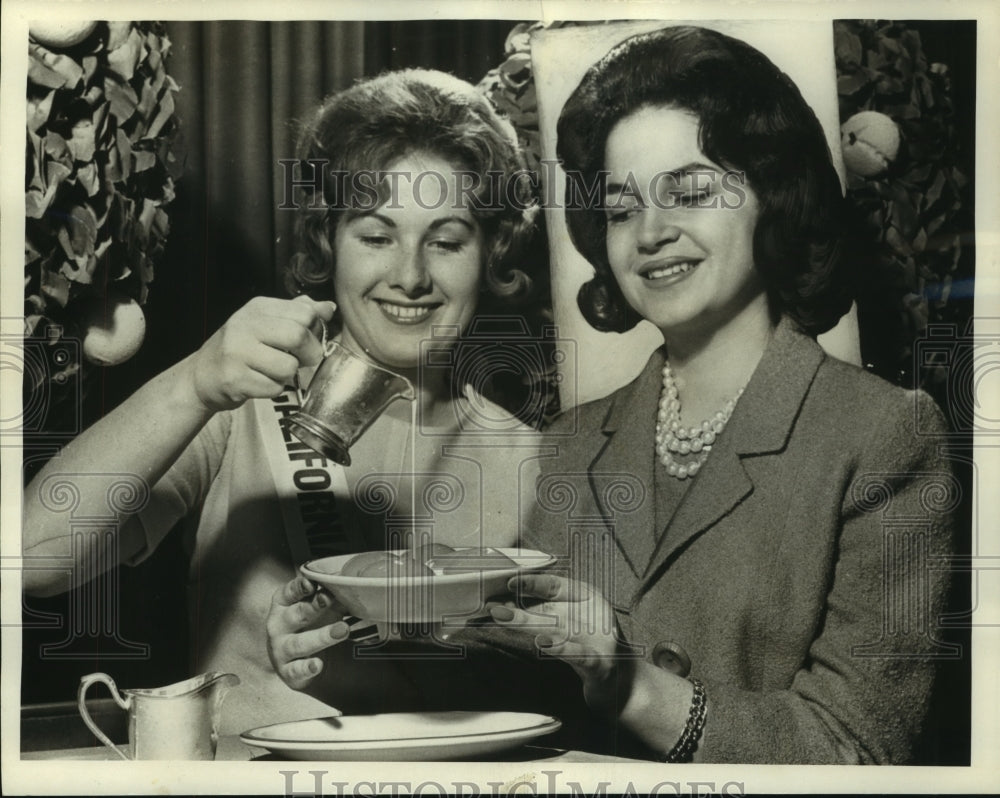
column 257, row 352
column 303, row 622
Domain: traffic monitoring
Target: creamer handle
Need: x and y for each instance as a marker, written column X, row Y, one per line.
column 81, row 695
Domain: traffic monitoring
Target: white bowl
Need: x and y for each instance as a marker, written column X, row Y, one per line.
column 420, row 599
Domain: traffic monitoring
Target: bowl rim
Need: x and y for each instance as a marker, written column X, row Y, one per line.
column 543, row 561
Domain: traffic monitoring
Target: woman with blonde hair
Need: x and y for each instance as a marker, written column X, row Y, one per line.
column 403, row 246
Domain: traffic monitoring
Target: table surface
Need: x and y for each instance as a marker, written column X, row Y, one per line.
column 232, row 749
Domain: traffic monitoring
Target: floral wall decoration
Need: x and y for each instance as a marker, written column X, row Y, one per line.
column 905, row 176
column 511, row 88
column 102, row 154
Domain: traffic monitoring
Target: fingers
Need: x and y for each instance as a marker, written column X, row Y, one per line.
column 293, row 591
column 280, row 367
column 306, row 644
column 548, row 631
column 299, row 673
column 247, row 383
column 293, row 327
column 293, row 656
column 318, row 314
column 304, row 311
column 258, row 351
column 297, row 630
column 549, row 587
column 324, row 309
column 579, row 656
column 535, row 622
column 298, row 605
column 590, row 655
column 545, row 600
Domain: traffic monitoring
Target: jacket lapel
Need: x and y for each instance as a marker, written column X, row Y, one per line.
column 628, row 452
column 761, row 423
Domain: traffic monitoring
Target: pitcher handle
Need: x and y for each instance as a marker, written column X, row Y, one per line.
column 81, row 695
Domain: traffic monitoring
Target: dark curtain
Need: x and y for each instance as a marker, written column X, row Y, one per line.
column 245, row 89
column 466, row 48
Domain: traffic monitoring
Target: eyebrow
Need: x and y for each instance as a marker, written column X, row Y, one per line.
column 388, row 222
column 447, row 219
column 675, row 174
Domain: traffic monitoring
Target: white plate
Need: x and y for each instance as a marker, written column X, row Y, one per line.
column 401, row 736
column 434, row 599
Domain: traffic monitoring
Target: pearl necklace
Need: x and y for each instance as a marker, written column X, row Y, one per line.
column 694, row 443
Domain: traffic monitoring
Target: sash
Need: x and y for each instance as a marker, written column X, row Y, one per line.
column 308, row 486
column 312, row 493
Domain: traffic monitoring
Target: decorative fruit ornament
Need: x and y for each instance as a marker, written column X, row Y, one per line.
column 113, row 328
column 56, row 34
column 870, row 142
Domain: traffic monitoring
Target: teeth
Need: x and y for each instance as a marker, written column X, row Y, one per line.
column 406, row 312
column 667, row 271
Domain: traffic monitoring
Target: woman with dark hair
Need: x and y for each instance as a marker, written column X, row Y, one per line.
column 403, row 244
column 752, row 513
column 754, row 124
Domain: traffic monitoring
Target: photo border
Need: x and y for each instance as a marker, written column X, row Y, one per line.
column 98, row 778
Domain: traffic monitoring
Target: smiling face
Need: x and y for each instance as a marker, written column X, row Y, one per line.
column 679, row 228
column 411, row 264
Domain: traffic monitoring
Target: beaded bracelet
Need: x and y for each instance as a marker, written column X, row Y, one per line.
column 684, row 748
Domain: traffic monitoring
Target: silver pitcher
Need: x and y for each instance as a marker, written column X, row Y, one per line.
column 176, row 722
column 346, row 394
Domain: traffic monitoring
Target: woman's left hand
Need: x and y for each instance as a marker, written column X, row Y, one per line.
column 303, row 623
column 569, row 620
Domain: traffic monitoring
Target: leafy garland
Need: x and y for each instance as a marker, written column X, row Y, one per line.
column 511, row 88
column 912, row 196
column 101, row 160
column 919, row 206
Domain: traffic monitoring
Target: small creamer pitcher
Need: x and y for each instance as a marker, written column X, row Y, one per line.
column 346, row 394
column 175, row 722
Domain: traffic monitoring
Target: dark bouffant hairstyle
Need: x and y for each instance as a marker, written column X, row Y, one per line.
column 752, row 118
column 379, row 120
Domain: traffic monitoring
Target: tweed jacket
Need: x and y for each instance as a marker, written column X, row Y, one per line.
column 797, row 571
